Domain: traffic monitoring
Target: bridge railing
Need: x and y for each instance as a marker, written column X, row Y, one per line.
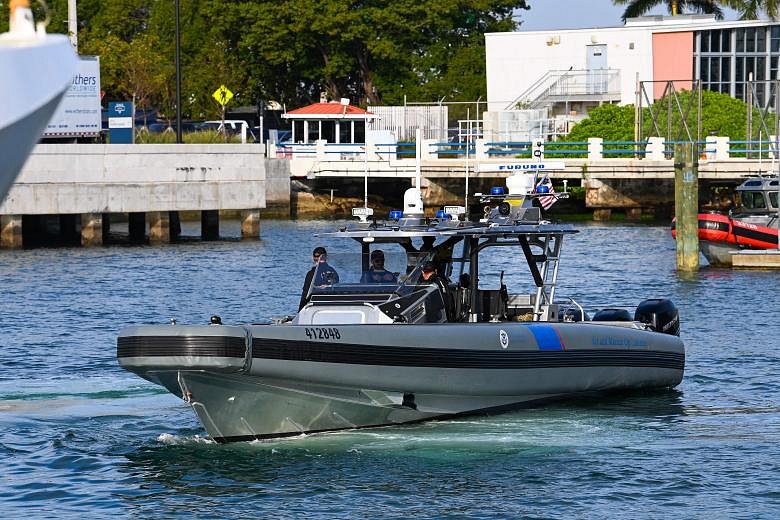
column 714, row 148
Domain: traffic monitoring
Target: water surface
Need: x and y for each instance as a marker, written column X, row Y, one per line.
column 78, row 435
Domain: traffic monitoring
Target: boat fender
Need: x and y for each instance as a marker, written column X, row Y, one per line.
column 612, row 315
column 659, row 314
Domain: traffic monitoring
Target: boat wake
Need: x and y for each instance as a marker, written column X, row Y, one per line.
column 171, row 439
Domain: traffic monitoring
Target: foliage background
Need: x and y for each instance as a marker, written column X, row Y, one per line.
column 721, row 115
column 289, row 51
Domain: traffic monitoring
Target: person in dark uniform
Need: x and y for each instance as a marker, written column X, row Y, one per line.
column 325, row 275
column 377, row 272
column 430, row 276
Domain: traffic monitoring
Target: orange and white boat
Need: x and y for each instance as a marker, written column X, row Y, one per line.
column 752, row 225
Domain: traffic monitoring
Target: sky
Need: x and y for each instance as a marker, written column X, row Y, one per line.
column 579, row 14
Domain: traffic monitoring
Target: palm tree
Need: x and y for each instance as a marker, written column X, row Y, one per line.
column 751, row 9
column 636, row 8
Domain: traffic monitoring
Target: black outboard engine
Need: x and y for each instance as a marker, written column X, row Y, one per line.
column 612, row 315
column 660, row 314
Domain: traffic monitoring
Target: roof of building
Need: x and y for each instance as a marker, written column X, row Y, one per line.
column 652, row 24
column 331, row 110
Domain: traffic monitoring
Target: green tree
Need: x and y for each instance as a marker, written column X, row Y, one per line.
column 610, row 122
column 368, row 51
column 752, row 9
column 721, row 115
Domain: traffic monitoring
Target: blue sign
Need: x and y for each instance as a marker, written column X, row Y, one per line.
column 120, row 122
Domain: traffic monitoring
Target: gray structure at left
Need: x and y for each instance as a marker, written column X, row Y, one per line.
column 149, row 183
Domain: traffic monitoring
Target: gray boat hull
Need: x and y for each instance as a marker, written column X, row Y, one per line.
column 718, row 254
column 260, row 381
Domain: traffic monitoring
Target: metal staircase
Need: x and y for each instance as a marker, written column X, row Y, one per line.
column 562, row 86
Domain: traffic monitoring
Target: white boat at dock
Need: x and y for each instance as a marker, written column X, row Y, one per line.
column 428, row 338
column 36, row 70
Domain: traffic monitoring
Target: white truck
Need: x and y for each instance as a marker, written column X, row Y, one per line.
column 79, row 113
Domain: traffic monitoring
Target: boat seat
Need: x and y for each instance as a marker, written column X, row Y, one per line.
column 493, row 304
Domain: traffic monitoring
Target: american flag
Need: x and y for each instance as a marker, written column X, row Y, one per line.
column 545, row 186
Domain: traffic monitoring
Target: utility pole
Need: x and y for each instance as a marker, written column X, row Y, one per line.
column 178, row 77
column 73, row 25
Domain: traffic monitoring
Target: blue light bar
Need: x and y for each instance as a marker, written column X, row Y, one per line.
column 497, row 190
column 396, row 214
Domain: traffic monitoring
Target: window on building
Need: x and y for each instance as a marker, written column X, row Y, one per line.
column 728, row 58
column 774, row 32
column 750, row 40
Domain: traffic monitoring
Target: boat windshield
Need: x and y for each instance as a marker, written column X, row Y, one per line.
column 753, row 199
column 384, row 270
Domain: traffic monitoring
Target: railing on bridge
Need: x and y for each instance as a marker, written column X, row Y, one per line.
column 655, row 148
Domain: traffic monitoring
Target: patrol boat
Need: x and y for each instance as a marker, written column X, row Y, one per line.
column 752, row 225
column 412, row 346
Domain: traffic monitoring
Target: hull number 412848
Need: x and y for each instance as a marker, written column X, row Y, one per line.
column 322, row 333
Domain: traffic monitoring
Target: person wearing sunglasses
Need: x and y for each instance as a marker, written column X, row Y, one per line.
column 376, row 272
column 320, row 275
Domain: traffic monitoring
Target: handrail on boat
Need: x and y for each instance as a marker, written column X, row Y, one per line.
column 572, row 303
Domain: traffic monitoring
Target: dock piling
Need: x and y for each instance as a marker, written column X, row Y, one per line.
column 250, row 224
column 91, row 229
column 159, row 227
column 10, row 231
column 686, row 206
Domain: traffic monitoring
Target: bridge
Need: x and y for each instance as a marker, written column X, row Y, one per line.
column 631, row 176
column 720, row 158
column 86, row 186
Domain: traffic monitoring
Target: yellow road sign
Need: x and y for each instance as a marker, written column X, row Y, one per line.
column 222, row 95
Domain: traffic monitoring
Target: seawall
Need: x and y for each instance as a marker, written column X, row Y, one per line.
column 146, row 184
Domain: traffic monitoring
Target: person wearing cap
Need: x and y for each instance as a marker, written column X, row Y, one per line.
column 429, row 275
column 325, row 275
column 376, row 272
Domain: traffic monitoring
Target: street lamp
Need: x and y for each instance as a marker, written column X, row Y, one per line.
column 178, row 76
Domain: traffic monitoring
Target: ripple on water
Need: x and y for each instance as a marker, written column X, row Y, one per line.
column 80, row 436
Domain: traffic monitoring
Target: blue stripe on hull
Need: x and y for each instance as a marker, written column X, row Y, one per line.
column 546, row 337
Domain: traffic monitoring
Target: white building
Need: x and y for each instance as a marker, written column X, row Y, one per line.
column 571, row 70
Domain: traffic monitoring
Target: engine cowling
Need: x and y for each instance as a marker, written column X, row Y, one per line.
column 659, row 314
column 612, row 315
